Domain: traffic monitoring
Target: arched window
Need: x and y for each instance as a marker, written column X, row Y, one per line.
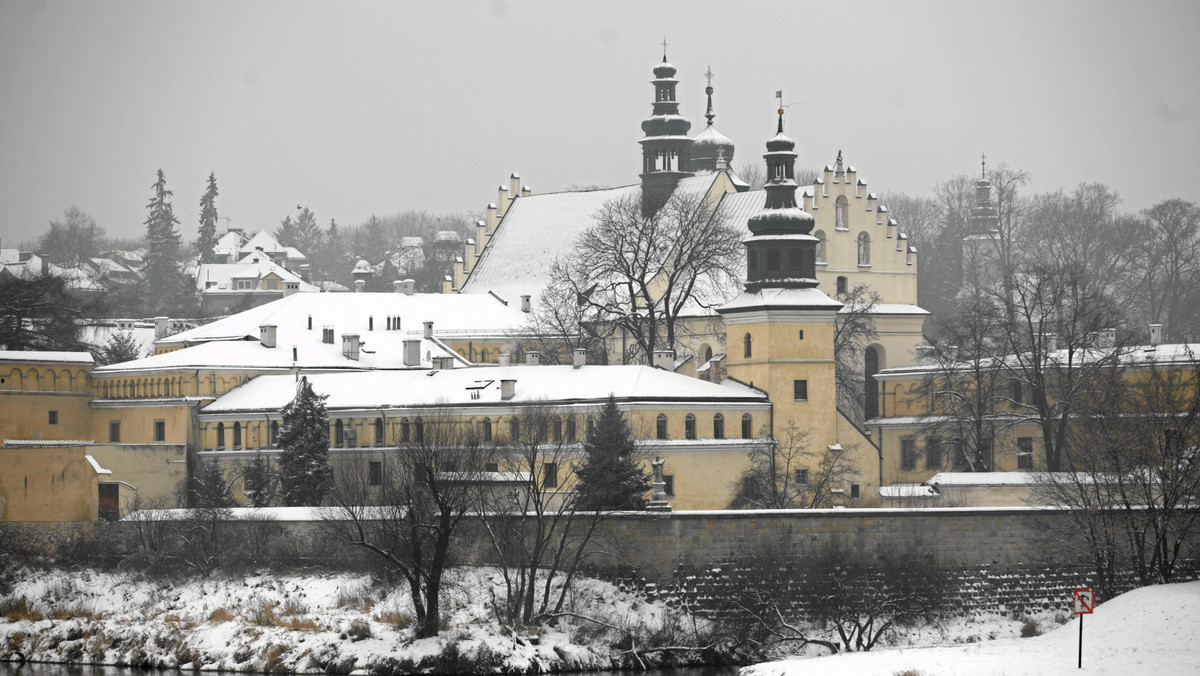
column 689, row 427
column 870, row 387
column 718, row 426
column 486, row 429
column 274, row 434
column 820, row 234
column 747, row 427
column 237, row 435
column 339, row 433
column 795, row 259
column 660, row 427
column 591, row 428
column 753, row 261
column 840, row 209
column 748, row 346
column 405, row 430
column 841, row 284
column 483, row 355
column 707, row 353
column 379, row 436
column 220, row 436
column 419, row 431
column 864, row 248
column 571, row 429
column 772, row 260
column 514, row 429
column 557, row 426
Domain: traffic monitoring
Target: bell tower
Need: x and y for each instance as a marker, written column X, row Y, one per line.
column 780, row 329
column 666, row 147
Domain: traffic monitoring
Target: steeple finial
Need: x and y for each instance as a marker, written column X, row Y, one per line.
column 708, row 75
column 665, row 44
column 983, row 165
column 779, row 95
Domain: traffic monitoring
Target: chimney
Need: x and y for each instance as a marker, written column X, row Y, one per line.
column 161, row 327
column 1108, row 338
column 45, row 259
column 502, row 201
column 266, row 335
column 526, row 191
column 412, row 352
column 359, row 286
column 526, row 306
column 714, row 371
column 443, row 363
column 665, row 359
column 532, row 358
column 428, row 330
column 578, row 357
column 290, row 288
column 505, row 359
column 350, row 343
column 397, row 286
column 1155, row 334
column 508, row 388
column 407, row 286
column 514, row 185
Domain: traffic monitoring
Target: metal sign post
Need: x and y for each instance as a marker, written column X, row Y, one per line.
column 1085, row 602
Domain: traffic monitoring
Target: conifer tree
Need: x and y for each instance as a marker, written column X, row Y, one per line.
column 208, row 221
column 164, row 282
column 304, row 471
column 610, row 477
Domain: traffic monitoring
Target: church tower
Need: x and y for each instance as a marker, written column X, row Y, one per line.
column 710, row 145
column 666, row 147
column 780, row 330
column 981, row 244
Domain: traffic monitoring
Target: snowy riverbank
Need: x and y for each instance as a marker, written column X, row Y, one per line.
column 309, row 623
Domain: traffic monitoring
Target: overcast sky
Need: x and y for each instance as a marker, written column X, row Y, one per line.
column 360, row 108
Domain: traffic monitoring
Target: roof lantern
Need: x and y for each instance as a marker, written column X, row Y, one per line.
column 710, row 144
column 781, row 251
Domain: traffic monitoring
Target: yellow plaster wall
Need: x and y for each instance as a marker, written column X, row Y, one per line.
column 47, row 484
column 137, row 423
column 155, row 470
column 29, row 391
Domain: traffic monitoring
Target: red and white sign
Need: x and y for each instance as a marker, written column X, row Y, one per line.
column 1085, row 601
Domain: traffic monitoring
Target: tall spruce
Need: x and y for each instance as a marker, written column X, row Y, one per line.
column 611, row 478
column 164, row 282
column 304, row 472
column 208, row 221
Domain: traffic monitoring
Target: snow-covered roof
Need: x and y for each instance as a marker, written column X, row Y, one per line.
column 480, row 386
column 1131, row 357
column 411, row 242
column 261, row 240
column 45, row 356
column 999, row 478
column 781, row 299
column 908, row 491
column 39, row 443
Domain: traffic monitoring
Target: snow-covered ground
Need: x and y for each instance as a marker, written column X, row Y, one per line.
column 304, row 623
column 1152, row 630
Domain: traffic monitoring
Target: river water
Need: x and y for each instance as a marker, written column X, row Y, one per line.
column 13, row 669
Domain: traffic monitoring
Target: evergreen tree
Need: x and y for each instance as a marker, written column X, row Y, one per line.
column 304, row 471
column 210, row 490
column 164, row 282
column 120, row 348
column 610, row 477
column 208, row 221
column 261, row 482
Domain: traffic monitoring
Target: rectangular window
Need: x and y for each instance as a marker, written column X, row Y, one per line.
column 1025, row 453
column 669, row 487
column 375, row 473
column 802, row 477
column 933, row 453
column 491, row 467
column 908, row 455
column 114, row 431
column 160, row 430
column 958, row 457
column 53, row 417
column 550, row 475
column 801, row 334
column 800, row 390
column 854, row 492
column 571, row 429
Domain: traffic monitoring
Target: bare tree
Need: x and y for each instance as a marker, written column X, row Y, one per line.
column 559, row 324
column 790, row 474
column 410, row 520
column 754, row 173
column 853, row 331
column 640, row 271
column 1168, row 270
column 73, row 239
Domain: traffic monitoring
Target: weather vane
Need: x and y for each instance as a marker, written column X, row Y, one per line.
column 983, row 165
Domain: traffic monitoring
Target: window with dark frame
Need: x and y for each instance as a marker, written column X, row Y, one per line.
column 748, row 346
column 237, row 435
column 379, row 433
column 718, row 426
column 53, row 417
column 514, row 433
column 802, row 476
column 908, row 455
column 800, row 390
column 339, row 434
column 160, row 430
column 933, row 453
column 689, row 426
column 1025, row 453
column 486, row 427
column 492, row 467
column 550, row 475
column 958, row 457
column 375, row 473
column 571, row 429
column 419, row 431
column 220, row 436
column 405, row 430
column 114, row 431
column 855, row 492
column 747, row 426
column 660, row 427
column 669, row 487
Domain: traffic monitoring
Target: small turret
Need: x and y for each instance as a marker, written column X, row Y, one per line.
column 666, row 147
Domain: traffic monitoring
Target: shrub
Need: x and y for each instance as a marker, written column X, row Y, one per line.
column 16, row 609
column 263, row 614
column 1031, row 628
column 220, row 615
column 358, row 630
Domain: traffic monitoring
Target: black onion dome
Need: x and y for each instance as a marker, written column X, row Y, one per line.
column 780, row 143
column 664, row 70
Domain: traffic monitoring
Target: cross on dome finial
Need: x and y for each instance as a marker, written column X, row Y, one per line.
column 708, row 75
column 665, row 44
column 983, row 165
